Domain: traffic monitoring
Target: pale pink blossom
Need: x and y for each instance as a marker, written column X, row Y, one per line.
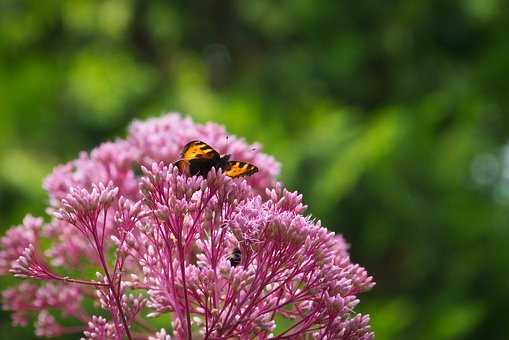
column 46, row 326
column 130, row 232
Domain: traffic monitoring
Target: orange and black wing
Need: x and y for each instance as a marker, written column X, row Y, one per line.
column 237, row 169
column 199, row 150
column 184, row 166
column 197, row 158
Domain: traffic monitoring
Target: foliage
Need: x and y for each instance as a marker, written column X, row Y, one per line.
column 389, row 117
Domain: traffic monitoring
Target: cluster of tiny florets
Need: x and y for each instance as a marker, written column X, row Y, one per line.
column 224, row 258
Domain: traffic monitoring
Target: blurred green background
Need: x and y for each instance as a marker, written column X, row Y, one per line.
column 390, row 116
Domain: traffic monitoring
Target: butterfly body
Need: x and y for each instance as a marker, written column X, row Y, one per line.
column 198, row 158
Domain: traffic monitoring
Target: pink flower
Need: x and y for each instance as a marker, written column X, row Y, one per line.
column 223, row 257
column 16, row 240
column 46, row 326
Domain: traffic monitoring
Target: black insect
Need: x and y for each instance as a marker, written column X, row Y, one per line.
column 235, row 257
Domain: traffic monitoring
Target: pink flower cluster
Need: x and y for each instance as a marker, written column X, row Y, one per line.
column 131, row 233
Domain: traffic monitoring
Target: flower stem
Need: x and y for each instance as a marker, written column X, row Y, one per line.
column 112, row 288
column 82, row 282
column 182, row 269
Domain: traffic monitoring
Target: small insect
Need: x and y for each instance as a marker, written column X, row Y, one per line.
column 235, row 257
column 198, row 158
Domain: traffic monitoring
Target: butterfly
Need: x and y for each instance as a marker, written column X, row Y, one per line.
column 198, row 158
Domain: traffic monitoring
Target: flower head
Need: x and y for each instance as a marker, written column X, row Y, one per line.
column 16, row 240
column 223, row 256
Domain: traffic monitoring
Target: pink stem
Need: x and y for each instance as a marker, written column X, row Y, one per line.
column 112, row 288
column 182, row 269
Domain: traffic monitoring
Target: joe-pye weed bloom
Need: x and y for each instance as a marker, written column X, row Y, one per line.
column 130, row 232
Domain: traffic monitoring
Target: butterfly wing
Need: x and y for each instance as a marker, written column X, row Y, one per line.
column 199, row 150
column 197, row 158
column 184, row 166
column 237, row 169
